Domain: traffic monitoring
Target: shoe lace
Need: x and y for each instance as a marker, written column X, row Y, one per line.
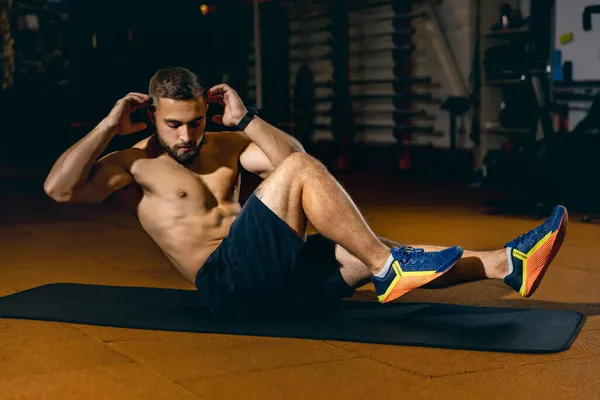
column 406, row 253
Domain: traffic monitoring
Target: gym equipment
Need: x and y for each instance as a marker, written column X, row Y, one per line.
column 509, row 18
column 397, row 37
column 397, row 99
column 506, row 61
column 457, row 107
column 411, row 324
column 520, row 68
column 394, row 50
column 404, row 113
column 398, row 84
column 394, row 19
column 395, row 129
column 397, row 34
column 308, row 44
column 336, row 46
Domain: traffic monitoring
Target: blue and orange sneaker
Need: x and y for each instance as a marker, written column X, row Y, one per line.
column 413, row 268
column 530, row 254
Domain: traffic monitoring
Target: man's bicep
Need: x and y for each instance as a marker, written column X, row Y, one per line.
column 106, row 177
column 255, row 161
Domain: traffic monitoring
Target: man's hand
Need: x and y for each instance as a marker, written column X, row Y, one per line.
column 234, row 107
column 118, row 119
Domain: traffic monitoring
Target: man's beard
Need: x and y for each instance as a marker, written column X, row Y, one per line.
column 185, row 157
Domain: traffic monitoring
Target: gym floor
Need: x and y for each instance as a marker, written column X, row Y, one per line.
column 44, row 243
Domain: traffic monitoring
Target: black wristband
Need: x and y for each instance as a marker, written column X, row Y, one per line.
column 247, row 118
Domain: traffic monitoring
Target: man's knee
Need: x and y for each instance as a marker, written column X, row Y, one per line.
column 290, row 174
column 298, row 163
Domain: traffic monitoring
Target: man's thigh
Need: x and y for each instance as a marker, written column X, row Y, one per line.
column 281, row 192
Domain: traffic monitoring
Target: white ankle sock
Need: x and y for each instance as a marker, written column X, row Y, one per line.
column 386, row 268
column 511, row 267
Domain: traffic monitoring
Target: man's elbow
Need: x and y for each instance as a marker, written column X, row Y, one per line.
column 50, row 188
column 58, row 196
column 297, row 147
column 55, row 193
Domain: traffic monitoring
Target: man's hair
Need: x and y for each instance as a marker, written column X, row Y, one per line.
column 175, row 83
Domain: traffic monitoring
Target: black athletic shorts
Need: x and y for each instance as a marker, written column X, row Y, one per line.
column 262, row 264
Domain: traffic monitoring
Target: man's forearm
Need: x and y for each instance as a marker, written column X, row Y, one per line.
column 73, row 166
column 275, row 143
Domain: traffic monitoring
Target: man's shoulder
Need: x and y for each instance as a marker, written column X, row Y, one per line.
column 126, row 156
column 145, row 144
column 145, row 148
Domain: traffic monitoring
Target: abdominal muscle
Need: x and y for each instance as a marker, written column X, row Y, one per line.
column 186, row 237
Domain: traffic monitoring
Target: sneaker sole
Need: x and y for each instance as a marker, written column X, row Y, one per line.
column 410, row 283
column 537, row 264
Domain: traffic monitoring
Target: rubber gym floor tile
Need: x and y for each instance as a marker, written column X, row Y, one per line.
column 349, row 379
column 27, row 264
column 33, row 347
column 10, row 235
column 574, row 288
column 125, row 381
column 588, row 264
column 430, row 362
column 580, row 249
column 5, row 290
column 189, row 356
column 592, row 323
column 425, row 226
column 569, row 379
column 587, row 261
column 588, row 342
column 113, row 243
column 28, row 275
column 123, row 248
column 111, row 335
column 36, row 247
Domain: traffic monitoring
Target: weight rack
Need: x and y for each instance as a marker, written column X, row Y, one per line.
column 352, row 99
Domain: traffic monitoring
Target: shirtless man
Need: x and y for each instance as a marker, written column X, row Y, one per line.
column 184, row 183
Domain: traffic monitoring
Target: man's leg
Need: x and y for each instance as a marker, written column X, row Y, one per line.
column 521, row 264
column 302, row 189
column 473, row 266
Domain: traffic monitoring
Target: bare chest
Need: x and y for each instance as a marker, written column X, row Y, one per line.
column 168, row 184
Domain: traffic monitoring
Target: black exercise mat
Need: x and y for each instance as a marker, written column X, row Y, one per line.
column 413, row 324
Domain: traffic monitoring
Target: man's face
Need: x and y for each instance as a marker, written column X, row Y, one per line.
column 180, row 126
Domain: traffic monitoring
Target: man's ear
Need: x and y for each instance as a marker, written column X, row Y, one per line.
column 150, row 111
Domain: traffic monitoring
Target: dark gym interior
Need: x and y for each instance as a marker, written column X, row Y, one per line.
column 449, row 122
